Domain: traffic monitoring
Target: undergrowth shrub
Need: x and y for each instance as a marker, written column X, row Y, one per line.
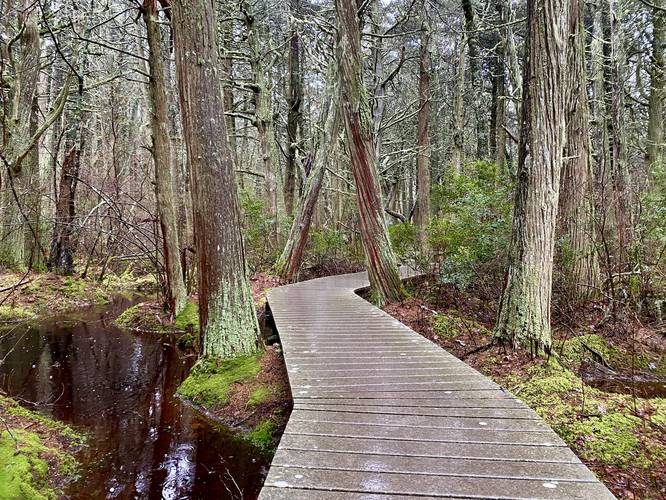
column 472, row 224
column 260, row 251
column 647, row 287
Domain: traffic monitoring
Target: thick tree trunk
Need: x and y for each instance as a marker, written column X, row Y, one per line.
column 382, row 269
column 422, row 212
column 292, row 255
column 294, row 99
column 524, row 312
column 164, row 186
column 576, row 205
column 655, row 148
column 226, row 309
column 19, row 170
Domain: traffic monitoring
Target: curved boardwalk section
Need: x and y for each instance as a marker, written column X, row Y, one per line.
column 381, row 412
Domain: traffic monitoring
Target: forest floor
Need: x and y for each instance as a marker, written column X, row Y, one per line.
column 36, row 453
column 603, row 388
column 27, row 296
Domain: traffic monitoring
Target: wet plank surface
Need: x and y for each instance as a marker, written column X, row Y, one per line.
column 382, row 413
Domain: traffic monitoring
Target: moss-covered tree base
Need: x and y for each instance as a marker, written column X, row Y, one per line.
column 247, row 393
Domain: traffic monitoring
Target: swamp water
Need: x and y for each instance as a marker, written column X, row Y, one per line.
column 119, row 387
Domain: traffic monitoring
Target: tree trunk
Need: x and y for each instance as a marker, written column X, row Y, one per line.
column 524, row 312
column 655, row 148
column 19, row 170
column 382, row 270
column 61, row 254
column 294, row 99
column 457, row 148
column 614, row 76
column 61, row 251
column 263, row 116
column 498, row 112
column 422, row 212
column 164, row 186
column 576, row 205
column 292, row 255
column 228, row 72
column 227, row 316
column 475, row 80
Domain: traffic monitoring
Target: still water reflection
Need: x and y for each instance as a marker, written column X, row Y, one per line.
column 119, row 387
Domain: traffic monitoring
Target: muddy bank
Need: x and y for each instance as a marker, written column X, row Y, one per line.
column 31, row 296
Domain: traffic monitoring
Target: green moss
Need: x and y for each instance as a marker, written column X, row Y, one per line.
column 128, row 317
column 259, row 395
column 575, row 349
column 74, row 288
column 262, row 435
column 101, row 296
column 15, row 313
column 23, row 473
column 129, row 281
column 35, row 286
column 25, row 458
column 13, row 408
column 658, row 406
column 450, row 325
column 188, row 319
column 611, row 435
column 610, row 438
column 209, row 381
column 137, row 317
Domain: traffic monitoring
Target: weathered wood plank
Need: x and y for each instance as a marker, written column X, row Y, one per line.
column 436, row 486
column 382, row 413
column 462, row 467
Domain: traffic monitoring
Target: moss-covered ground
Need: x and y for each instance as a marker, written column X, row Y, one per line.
column 151, row 317
column 248, row 393
column 26, row 297
column 36, row 454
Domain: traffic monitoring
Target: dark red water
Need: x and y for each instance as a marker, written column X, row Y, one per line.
column 119, row 387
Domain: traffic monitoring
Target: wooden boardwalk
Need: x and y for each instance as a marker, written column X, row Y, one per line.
column 381, row 412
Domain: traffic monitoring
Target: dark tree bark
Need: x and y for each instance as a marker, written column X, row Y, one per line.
column 524, row 312
column 226, row 309
column 294, row 99
column 164, row 186
column 497, row 139
column 422, row 211
column 382, row 269
column 61, row 255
